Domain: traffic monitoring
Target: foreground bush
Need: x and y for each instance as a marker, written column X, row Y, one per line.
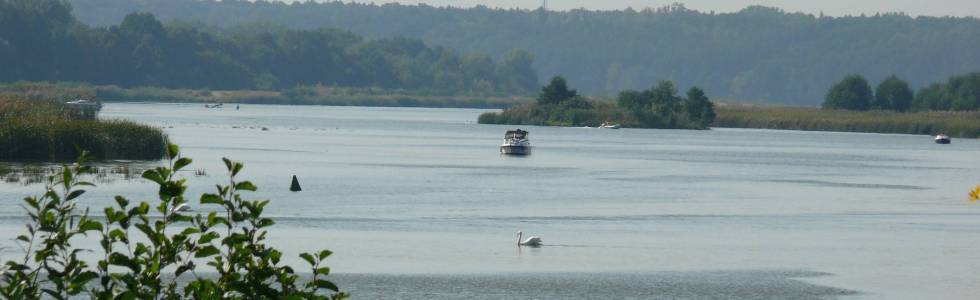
column 230, row 242
column 47, row 130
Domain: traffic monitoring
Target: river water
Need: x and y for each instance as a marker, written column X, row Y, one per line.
column 419, row 203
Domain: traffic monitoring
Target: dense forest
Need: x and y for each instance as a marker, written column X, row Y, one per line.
column 40, row 40
column 757, row 54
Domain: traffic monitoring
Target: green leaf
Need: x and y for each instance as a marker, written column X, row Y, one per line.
column 84, row 278
column 74, row 194
column 208, row 237
column 172, row 151
column 206, row 251
column 323, row 284
column 153, row 175
column 246, row 186
column 182, row 162
column 265, row 223
column 211, row 199
column 227, row 163
column 122, row 201
column 308, row 258
column 236, row 167
column 90, row 225
column 119, row 259
column 322, row 271
column 324, row 254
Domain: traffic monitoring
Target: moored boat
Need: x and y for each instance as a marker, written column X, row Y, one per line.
column 943, row 139
column 516, row 143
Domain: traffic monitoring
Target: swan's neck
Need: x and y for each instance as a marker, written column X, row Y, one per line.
column 519, row 238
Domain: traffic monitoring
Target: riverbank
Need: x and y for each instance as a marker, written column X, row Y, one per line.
column 40, row 130
column 955, row 124
column 303, row 95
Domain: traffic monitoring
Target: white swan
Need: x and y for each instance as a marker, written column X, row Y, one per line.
column 532, row 241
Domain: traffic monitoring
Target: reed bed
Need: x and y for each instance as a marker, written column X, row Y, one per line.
column 306, row 95
column 37, row 130
column 956, row 124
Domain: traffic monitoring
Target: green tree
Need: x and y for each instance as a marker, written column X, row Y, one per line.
column 851, row 93
column 556, row 91
column 699, row 108
column 893, row 93
column 664, row 98
column 633, row 100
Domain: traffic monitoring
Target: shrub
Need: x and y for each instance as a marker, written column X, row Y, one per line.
column 232, row 243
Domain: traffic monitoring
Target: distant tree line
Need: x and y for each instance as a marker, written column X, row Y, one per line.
column 657, row 107
column 758, row 53
column 40, row 40
column 959, row 93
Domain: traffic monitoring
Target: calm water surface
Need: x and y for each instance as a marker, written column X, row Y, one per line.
column 418, row 203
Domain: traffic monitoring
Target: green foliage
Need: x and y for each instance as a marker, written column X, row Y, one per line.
column 141, row 241
column 958, row 93
column 956, row 124
column 758, row 53
column 556, row 91
column 893, row 94
column 41, row 41
column 851, row 93
column 658, row 107
column 47, row 130
column 699, row 107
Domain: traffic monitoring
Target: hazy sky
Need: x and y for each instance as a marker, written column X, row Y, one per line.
column 828, row 7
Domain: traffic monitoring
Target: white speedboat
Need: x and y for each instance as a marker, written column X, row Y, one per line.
column 608, row 125
column 943, row 139
column 516, row 143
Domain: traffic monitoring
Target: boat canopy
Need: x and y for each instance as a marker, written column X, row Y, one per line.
column 516, row 134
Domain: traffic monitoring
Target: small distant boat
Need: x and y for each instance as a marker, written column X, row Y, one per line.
column 83, row 103
column 216, row 105
column 943, row 139
column 85, row 109
column 516, row 143
column 607, row 125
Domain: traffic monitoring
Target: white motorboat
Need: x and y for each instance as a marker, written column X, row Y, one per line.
column 607, row 125
column 516, row 143
column 943, row 139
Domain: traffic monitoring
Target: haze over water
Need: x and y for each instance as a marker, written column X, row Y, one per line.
column 418, row 203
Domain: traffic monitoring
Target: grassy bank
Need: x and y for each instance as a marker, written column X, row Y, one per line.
column 303, row 95
column 41, row 130
column 956, row 124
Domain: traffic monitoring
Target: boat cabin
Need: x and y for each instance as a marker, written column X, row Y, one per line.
column 516, row 134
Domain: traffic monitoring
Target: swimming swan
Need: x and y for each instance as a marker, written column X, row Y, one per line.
column 532, row 241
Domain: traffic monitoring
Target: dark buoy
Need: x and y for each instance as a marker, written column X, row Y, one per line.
column 295, row 185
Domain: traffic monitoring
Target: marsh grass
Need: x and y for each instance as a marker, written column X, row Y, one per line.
column 956, row 124
column 44, row 130
column 302, row 95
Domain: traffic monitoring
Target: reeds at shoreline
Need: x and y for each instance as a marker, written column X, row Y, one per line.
column 39, row 130
column 955, row 124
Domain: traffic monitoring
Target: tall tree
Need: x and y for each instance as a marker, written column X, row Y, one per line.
column 893, row 93
column 851, row 93
column 556, row 91
column 664, row 98
column 699, row 108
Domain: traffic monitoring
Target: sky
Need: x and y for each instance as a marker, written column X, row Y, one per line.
column 958, row 8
